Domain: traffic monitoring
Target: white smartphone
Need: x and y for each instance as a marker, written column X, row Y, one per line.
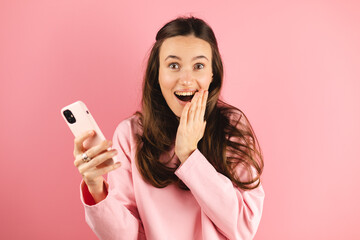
column 79, row 119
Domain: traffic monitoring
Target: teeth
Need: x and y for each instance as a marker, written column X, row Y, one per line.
column 185, row 93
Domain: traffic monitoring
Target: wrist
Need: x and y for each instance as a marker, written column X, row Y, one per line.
column 98, row 192
column 185, row 156
column 95, row 186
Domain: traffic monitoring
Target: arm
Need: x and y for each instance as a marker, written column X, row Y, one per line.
column 116, row 216
column 236, row 213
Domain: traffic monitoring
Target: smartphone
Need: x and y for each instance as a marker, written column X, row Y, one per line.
column 79, row 119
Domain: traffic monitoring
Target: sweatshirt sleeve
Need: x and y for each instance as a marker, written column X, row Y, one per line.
column 235, row 212
column 115, row 217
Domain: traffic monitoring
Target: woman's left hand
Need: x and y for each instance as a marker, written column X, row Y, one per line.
column 192, row 126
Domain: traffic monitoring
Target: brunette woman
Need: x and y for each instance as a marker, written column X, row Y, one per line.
column 190, row 164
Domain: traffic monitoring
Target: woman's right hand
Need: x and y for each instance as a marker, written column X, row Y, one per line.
column 93, row 170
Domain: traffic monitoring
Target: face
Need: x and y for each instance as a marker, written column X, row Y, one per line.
column 185, row 67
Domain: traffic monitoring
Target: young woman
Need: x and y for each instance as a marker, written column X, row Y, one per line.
column 190, row 164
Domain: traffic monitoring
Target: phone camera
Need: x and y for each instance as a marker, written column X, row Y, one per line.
column 69, row 116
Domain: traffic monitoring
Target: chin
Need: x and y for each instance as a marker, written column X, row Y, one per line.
column 177, row 113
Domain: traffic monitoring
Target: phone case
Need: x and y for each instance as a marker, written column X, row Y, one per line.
column 84, row 121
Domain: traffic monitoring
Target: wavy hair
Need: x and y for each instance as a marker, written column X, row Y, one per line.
column 228, row 142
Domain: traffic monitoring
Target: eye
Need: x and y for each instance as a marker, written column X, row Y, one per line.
column 199, row 66
column 173, row 66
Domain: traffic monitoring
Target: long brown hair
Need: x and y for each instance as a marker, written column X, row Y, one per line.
column 229, row 140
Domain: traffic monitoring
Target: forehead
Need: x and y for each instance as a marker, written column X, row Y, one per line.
column 185, row 47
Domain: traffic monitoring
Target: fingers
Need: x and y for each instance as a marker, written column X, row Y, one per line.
column 100, row 171
column 78, row 141
column 184, row 115
column 201, row 106
column 92, row 152
column 97, row 161
column 195, row 110
column 194, row 106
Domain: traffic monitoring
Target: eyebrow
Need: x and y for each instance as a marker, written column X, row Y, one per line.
column 194, row 58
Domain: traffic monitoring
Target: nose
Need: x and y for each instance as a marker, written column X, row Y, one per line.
column 186, row 78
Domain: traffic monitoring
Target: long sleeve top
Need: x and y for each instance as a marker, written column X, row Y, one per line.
column 214, row 208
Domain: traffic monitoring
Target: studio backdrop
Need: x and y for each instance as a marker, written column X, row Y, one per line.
column 293, row 67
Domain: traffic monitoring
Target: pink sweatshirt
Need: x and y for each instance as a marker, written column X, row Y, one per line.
column 214, row 208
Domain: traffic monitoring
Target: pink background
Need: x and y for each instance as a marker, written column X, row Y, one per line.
column 292, row 67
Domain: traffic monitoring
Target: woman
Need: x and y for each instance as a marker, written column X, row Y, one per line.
column 190, row 164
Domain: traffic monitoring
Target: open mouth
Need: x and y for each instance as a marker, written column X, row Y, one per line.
column 185, row 96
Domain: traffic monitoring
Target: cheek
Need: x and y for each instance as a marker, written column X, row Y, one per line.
column 205, row 81
column 165, row 81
